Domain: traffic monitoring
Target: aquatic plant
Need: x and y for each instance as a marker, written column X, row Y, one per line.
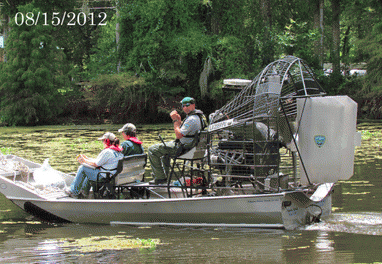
column 100, row 243
column 367, row 135
column 6, row 151
column 20, row 222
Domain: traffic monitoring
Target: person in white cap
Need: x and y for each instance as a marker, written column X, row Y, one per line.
column 132, row 145
column 107, row 160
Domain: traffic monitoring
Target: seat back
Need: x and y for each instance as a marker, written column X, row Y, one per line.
column 109, row 174
column 199, row 150
column 133, row 169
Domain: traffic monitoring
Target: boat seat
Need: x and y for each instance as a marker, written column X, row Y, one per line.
column 130, row 169
column 189, row 170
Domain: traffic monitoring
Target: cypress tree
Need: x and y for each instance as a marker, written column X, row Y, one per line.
column 34, row 73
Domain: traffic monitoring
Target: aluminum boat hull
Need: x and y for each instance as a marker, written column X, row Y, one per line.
column 278, row 210
column 288, row 209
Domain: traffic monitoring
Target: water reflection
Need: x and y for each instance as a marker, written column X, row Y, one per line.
column 327, row 242
column 178, row 245
column 323, row 243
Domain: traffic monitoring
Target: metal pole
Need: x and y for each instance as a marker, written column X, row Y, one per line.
column 295, row 143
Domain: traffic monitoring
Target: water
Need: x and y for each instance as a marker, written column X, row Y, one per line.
column 351, row 235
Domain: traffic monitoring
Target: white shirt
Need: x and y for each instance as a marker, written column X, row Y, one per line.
column 108, row 159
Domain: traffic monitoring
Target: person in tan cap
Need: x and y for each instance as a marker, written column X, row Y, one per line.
column 132, row 145
column 107, row 160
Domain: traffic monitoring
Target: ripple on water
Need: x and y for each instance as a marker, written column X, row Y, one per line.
column 366, row 223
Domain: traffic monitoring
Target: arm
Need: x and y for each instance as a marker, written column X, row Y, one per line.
column 177, row 129
column 85, row 160
column 177, row 120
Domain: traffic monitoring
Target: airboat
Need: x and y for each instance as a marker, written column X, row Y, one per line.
column 269, row 159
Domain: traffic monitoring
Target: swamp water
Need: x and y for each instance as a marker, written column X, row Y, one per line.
column 353, row 234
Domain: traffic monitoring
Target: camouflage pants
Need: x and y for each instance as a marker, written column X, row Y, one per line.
column 157, row 155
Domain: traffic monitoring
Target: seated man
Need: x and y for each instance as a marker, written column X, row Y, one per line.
column 131, row 145
column 185, row 133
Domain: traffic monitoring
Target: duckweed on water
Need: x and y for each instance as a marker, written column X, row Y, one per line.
column 5, row 151
column 368, row 135
column 20, row 222
column 100, row 243
column 336, row 209
column 61, row 144
column 355, row 182
column 352, row 193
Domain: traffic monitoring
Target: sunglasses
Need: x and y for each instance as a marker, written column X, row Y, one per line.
column 186, row 105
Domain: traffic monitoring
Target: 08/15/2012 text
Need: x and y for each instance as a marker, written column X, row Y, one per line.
column 60, row 19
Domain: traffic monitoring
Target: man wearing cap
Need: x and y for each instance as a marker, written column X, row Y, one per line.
column 107, row 160
column 131, row 145
column 185, row 133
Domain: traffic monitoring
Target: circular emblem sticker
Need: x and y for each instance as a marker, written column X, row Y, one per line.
column 3, row 186
column 319, row 140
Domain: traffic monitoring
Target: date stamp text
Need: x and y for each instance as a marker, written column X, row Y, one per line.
column 60, row 19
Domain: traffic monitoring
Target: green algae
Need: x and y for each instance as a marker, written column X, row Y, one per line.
column 101, row 243
column 62, row 144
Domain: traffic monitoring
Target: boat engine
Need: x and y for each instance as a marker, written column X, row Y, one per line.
column 253, row 137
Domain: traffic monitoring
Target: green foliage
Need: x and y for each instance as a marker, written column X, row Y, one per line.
column 360, row 16
column 332, row 84
column 216, row 89
column 104, row 59
column 154, row 32
column 122, row 96
column 228, row 57
column 298, row 40
column 34, row 71
column 373, row 45
column 11, row 7
column 369, row 105
column 166, row 43
column 352, row 85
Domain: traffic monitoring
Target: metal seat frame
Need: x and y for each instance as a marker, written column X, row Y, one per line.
column 189, row 158
column 106, row 187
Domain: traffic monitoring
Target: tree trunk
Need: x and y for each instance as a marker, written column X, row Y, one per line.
column 6, row 30
column 117, row 36
column 335, row 53
column 266, row 13
column 318, row 21
column 346, row 48
column 216, row 14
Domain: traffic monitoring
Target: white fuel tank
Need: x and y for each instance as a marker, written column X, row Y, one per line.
column 327, row 136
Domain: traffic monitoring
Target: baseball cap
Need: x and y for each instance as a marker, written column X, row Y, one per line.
column 107, row 135
column 129, row 127
column 187, row 101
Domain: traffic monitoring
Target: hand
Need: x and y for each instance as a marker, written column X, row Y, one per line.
column 175, row 116
column 80, row 158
